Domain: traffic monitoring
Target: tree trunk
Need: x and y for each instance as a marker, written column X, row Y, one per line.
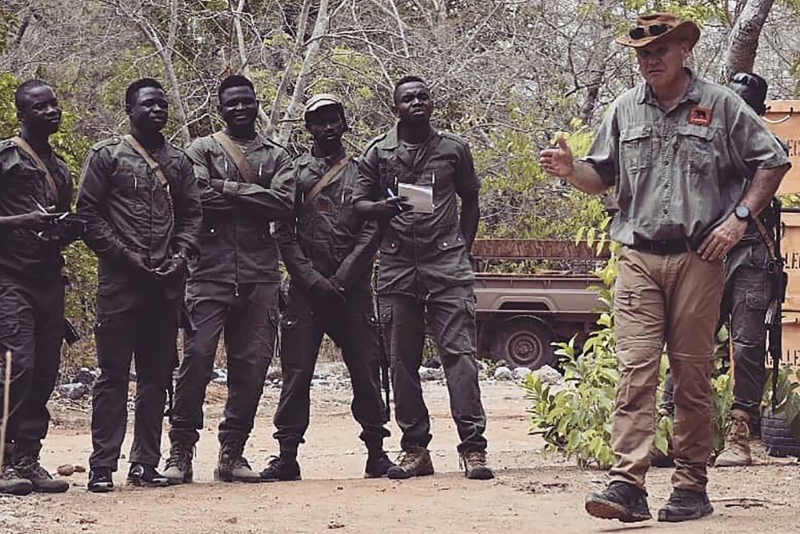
column 743, row 40
column 275, row 113
column 320, row 29
column 245, row 64
column 598, row 72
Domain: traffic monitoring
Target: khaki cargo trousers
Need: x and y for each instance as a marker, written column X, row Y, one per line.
column 672, row 298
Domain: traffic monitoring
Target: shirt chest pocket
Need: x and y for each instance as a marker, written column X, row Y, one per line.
column 637, row 148
column 695, row 150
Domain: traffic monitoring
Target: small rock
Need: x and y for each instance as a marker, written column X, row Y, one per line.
column 548, row 375
column 84, row 376
column 427, row 374
column 503, row 373
column 79, row 468
column 65, row 470
column 335, row 524
column 431, row 362
column 232, row 520
column 274, row 375
column 74, row 391
column 521, row 372
column 317, row 382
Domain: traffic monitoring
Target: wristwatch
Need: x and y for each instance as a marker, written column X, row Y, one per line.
column 742, row 212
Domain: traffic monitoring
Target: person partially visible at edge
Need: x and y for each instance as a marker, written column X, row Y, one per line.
column 748, row 292
column 425, row 267
column 144, row 232
column 691, row 164
column 31, row 285
column 234, row 286
column 328, row 250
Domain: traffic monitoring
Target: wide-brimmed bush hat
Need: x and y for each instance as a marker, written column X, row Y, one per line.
column 659, row 27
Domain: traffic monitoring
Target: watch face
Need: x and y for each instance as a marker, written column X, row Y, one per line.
column 742, row 212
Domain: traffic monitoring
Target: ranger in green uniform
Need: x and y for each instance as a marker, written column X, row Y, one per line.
column 142, row 203
column 32, row 176
column 328, row 251
column 424, row 266
column 246, row 183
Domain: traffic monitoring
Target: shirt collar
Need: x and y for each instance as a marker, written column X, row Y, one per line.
column 392, row 139
column 645, row 92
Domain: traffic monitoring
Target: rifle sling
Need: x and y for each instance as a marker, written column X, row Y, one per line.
column 247, row 172
column 28, row 149
column 153, row 164
column 767, row 239
column 332, row 173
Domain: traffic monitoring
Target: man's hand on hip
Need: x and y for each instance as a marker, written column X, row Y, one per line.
column 722, row 239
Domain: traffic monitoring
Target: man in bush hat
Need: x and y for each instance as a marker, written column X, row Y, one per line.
column 328, row 250
column 692, row 164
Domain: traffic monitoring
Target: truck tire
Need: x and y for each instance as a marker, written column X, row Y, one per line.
column 777, row 436
column 523, row 343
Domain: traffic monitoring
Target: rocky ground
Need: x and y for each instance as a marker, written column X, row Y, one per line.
column 532, row 492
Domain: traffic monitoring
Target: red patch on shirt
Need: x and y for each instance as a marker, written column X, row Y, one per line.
column 324, row 205
column 700, row 116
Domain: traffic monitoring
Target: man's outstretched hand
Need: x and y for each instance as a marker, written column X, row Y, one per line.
column 558, row 161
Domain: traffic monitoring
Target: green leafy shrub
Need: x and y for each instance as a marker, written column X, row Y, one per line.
column 576, row 420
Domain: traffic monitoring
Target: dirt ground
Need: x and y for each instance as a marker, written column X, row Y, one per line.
column 532, row 492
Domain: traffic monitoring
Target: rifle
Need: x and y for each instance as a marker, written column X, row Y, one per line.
column 185, row 322
column 384, row 359
column 779, row 280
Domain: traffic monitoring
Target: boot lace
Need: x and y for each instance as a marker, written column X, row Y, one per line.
column 180, row 456
column 28, row 466
column 473, row 459
column 739, row 431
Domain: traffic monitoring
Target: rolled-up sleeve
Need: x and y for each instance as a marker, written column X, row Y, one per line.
column 604, row 153
column 753, row 146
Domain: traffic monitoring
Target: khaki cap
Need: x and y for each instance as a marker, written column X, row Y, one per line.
column 321, row 100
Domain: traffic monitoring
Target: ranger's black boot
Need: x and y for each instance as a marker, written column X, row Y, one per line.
column 100, row 480
column 26, row 463
column 10, row 482
column 232, row 466
column 378, row 463
column 283, row 467
column 146, row 476
column 179, row 464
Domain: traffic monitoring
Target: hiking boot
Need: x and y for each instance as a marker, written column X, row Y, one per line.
column 13, row 484
column 415, row 462
column 684, row 505
column 474, row 465
column 146, row 476
column 737, row 443
column 281, row 468
column 620, row 500
column 27, row 466
column 100, row 480
column 232, row 466
column 179, row 464
column 378, row 464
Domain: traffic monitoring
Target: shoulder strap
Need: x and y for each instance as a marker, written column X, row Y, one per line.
column 332, row 173
column 245, row 170
column 153, row 164
column 28, row 149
